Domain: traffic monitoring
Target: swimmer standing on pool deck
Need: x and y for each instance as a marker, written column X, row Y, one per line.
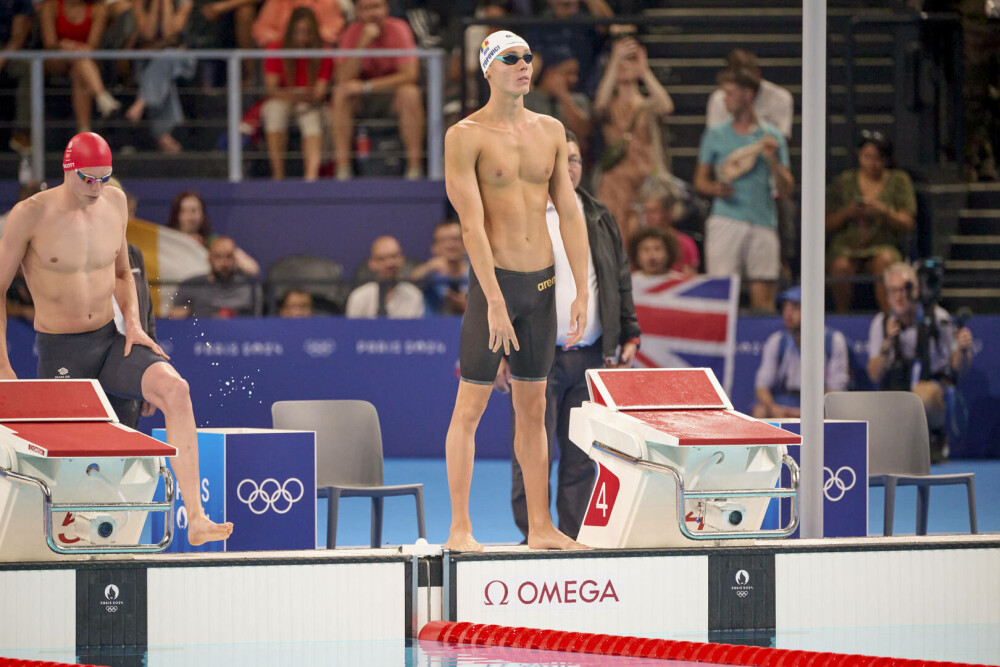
column 501, row 165
column 70, row 240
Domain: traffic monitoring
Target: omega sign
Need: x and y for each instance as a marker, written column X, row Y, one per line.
column 500, row 593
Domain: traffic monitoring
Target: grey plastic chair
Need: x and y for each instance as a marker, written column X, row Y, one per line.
column 348, row 458
column 898, row 448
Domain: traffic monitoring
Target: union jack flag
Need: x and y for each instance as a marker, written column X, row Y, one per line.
column 688, row 322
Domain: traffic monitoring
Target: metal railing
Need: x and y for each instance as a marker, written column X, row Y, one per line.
column 234, row 59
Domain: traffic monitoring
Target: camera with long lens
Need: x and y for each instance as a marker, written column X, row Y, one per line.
column 930, row 274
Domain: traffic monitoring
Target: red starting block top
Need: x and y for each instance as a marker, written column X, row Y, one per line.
column 709, row 428
column 53, row 401
column 84, row 439
column 657, row 389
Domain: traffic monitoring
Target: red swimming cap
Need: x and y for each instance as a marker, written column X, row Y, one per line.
column 86, row 150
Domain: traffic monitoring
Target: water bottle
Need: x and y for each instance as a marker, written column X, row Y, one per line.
column 362, row 144
column 25, row 174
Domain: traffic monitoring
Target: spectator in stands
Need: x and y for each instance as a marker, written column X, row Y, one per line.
column 358, row 78
column 585, row 41
column 771, row 103
column 272, row 21
column 76, row 26
column 217, row 24
column 16, row 18
column 296, row 303
column 445, row 275
column 387, row 295
column 188, row 214
column 660, row 204
column 20, row 305
column 894, row 360
column 224, row 292
column 296, row 89
column 778, row 384
column 739, row 163
column 160, row 25
column 870, row 210
column 553, row 94
column 775, row 105
column 610, row 339
column 652, row 251
column 633, row 150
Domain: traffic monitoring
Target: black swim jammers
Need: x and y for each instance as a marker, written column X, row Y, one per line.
column 531, row 305
column 99, row 355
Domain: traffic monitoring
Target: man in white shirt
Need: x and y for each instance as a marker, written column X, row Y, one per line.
column 772, row 102
column 386, row 296
column 778, row 384
column 610, row 339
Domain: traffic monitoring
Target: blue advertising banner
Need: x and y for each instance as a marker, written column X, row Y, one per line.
column 845, row 478
column 211, row 460
column 271, row 491
column 408, row 369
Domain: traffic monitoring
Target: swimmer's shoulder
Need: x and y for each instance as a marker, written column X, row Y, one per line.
column 551, row 126
column 466, row 136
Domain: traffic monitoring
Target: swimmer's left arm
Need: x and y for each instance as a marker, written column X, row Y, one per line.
column 125, row 293
column 573, row 231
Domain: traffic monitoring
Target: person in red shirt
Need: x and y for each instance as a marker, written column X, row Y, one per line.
column 296, row 88
column 357, row 77
column 275, row 15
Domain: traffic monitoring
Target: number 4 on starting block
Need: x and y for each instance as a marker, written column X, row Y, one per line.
column 602, row 499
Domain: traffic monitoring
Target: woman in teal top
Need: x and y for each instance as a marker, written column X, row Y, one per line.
column 869, row 214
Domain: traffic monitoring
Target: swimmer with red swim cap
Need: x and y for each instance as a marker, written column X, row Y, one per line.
column 70, row 240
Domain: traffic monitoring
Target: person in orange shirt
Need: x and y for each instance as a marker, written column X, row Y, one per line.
column 272, row 20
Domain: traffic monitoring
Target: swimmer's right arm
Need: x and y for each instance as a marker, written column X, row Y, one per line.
column 460, row 156
column 13, row 246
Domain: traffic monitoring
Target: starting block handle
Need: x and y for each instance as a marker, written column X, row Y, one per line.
column 167, row 506
column 722, row 494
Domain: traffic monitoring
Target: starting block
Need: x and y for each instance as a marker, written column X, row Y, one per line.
column 72, row 479
column 675, row 462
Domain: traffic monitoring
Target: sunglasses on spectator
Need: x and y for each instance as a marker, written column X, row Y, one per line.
column 512, row 58
column 90, row 180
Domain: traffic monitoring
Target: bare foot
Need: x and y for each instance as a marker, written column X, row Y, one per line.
column 136, row 110
column 201, row 529
column 551, row 538
column 462, row 541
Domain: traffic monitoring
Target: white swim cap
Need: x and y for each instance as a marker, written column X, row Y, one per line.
column 496, row 44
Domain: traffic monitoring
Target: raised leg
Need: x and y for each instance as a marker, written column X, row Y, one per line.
column 167, row 390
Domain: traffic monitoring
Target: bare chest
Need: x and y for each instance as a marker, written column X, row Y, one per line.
column 79, row 243
column 507, row 160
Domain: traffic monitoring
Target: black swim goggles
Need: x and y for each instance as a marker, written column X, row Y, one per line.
column 512, row 58
column 90, row 180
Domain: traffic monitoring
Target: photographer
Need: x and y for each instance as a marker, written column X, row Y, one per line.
column 916, row 346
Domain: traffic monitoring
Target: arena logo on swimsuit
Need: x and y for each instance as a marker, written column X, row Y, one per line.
column 545, row 284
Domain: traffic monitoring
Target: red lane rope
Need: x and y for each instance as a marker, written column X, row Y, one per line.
column 11, row 662
column 476, row 634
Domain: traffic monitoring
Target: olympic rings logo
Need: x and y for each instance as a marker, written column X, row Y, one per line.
column 261, row 498
column 840, row 486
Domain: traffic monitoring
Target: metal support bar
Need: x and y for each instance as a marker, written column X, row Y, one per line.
column 233, row 81
column 721, row 494
column 48, row 507
column 37, row 120
column 435, row 120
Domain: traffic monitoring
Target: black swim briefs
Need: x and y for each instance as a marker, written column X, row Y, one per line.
column 99, row 355
column 531, row 305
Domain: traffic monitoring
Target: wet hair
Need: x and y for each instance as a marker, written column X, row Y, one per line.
column 174, row 222
column 741, row 76
column 668, row 238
